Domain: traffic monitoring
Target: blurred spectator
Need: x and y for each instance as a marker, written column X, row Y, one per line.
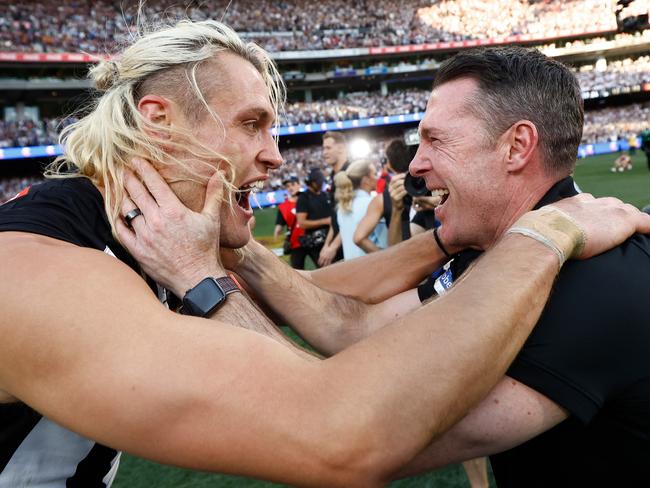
column 622, row 163
column 314, row 213
column 380, row 211
column 352, row 196
column 287, row 218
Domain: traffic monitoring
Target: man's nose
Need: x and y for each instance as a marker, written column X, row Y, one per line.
column 420, row 165
column 270, row 154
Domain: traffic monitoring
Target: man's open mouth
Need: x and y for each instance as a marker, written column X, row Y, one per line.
column 243, row 193
column 443, row 193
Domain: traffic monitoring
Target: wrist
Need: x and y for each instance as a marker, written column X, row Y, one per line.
column 193, row 277
column 553, row 228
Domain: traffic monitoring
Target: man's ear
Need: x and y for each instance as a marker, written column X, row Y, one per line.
column 522, row 139
column 157, row 111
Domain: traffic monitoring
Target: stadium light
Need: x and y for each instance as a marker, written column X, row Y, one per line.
column 359, row 148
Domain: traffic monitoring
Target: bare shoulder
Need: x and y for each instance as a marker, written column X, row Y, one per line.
column 87, row 344
column 57, row 298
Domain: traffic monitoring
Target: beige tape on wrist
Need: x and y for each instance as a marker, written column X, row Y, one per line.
column 553, row 228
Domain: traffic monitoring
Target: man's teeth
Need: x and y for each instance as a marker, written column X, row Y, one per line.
column 254, row 186
column 439, row 192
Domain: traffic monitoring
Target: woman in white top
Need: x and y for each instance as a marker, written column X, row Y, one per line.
column 353, row 187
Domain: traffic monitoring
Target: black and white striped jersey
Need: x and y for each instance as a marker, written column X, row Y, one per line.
column 36, row 452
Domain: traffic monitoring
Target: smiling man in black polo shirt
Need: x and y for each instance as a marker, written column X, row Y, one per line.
column 500, row 135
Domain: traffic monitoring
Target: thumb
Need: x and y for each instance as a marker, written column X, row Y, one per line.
column 214, row 194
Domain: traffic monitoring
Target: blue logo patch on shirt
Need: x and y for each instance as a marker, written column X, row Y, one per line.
column 444, row 282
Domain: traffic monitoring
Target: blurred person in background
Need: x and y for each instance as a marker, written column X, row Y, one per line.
column 352, row 197
column 411, row 215
column 335, row 154
column 645, row 144
column 314, row 216
column 286, row 217
column 380, row 209
column 622, row 163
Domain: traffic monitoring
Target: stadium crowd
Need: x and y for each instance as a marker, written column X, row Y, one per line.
column 357, row 105
column 102, row 26
column 610, row 124
column 620, row 73
column 20, row 133
column 600, row 125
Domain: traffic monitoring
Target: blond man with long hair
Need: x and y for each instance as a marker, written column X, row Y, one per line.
column 91, row 363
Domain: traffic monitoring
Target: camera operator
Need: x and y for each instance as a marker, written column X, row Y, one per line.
column 313, row 213
column 413, row 208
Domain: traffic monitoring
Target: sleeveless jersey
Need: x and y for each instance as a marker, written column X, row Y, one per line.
column 36, row 452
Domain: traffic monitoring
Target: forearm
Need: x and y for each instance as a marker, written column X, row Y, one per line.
column 314, row 224
column 368, row 246
column 378, row 276
column 326, row 320
column 395, row 228
column 458, row 351
column 240, row 311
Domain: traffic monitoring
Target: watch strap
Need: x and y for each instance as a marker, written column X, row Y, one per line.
column 228, row 284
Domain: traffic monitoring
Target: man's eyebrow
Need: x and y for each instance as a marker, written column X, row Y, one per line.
column 427, row 132
column 258, row 112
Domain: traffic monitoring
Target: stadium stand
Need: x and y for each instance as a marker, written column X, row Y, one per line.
column 582, row 33
column 100, row 26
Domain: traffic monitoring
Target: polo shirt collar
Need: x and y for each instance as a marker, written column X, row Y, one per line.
column 562, row 189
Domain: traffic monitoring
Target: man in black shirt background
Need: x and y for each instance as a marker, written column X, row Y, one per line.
column 500, row 135
column 335, row 154
column 313, row 213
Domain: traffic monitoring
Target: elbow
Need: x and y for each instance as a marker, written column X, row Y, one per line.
column 358, row 460
column 358, row 239
column 362, row 447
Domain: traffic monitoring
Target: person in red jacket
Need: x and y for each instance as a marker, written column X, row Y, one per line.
column 287, row 217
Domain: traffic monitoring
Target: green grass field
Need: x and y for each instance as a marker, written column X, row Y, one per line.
column 592, row 175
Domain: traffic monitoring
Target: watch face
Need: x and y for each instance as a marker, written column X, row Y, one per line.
column 204, row 297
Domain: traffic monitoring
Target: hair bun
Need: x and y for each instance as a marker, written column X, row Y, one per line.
column 106, row 74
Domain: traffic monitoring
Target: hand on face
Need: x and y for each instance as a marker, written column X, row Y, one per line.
column 606, row 222
column 174, row 245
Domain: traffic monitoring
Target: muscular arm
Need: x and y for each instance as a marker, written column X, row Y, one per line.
column 101, row 356
column 379, row 276
column 511, row 414
column 368, row 223
column 342, row 320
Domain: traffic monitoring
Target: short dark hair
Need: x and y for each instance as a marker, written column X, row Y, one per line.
column 398, row 155
column 518, row 83
column 339, row 137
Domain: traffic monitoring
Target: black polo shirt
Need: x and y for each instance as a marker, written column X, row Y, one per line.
column 590, row 354
column 315, row 205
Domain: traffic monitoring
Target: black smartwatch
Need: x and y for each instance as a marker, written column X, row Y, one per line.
column 208, row 296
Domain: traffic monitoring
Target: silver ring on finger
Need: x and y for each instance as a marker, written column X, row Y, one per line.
column 128, row 218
